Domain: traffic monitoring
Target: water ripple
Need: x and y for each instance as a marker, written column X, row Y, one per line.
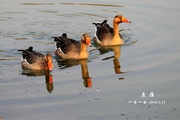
column 90, row 4
column 37, row 4
column 94, row 15
column 49, row 11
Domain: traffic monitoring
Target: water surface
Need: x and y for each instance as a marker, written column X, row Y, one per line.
column 109, row 85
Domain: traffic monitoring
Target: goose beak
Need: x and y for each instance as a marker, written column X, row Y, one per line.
column 88, row 41
column 50, row 65
column 125, row 20
column 90, row 45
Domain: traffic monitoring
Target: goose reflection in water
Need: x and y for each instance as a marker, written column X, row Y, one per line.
column 117, row 53
column 87, row 81
column 85, row 73
column 47, row 74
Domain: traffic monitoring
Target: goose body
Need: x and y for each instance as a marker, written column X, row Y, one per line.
column 71, row 49
column 106, row 35
column 33, row 60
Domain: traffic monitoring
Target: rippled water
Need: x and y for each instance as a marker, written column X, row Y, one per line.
column 111, row 84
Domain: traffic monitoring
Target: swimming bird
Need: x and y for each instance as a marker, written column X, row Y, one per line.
column 71, row 49
column 106, row 35
column 33, row 60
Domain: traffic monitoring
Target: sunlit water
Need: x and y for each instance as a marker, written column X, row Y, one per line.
column 104, row 87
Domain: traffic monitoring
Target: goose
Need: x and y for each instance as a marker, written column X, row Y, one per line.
column 33, row 60
column 106, row 35
column 68, row 48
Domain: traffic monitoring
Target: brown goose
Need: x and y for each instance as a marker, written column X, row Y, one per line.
column 72, row 49
column 106, row 35
column 35, row 61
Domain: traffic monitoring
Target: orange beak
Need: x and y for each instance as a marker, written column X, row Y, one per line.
column 88, row 41
column 48, row 60
column 50, row 65
column 125, row 20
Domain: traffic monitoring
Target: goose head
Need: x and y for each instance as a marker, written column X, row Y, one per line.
column 121, row 19
column 86, row 39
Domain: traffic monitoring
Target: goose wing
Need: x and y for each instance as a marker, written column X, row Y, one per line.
column 102, row 30
column 63, row 43
column 31, row 56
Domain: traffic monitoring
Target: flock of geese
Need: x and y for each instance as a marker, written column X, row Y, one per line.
column 68, row 48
